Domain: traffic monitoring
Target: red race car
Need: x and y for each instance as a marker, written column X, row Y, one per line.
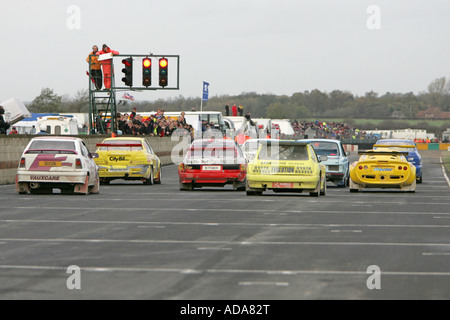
column 213, row 163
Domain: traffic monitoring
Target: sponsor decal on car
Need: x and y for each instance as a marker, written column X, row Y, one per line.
column 45, row 178
column 44, row 162
column 282, row 185
column 376, row 169
column 274, row 170
column 117, row 159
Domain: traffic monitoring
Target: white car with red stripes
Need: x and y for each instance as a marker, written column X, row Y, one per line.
column 64, row 163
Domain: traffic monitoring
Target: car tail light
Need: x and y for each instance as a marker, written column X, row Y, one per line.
column 78, row 164
column 400, row 167
column 243, row 167
column 22, row 163
column 360, row 167
column 405, row 168
column 181, row 167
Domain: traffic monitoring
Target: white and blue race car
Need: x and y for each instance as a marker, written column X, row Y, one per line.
column 337, row 164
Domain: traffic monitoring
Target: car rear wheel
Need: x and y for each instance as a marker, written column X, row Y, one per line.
column 251, row 191
column 323, row 192
column 82, row 188
column 158, row 180
column 150, row 180
column 186, row 186
column 95, row 189
column 239, row 186
column 317, row 191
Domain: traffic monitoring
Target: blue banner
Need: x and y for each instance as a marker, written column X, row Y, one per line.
column 205, row 91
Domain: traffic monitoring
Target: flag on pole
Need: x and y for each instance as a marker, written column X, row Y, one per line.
column 126, row 95
column 205, row 91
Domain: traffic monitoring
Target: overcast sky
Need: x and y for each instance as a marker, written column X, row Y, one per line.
column 262, row 46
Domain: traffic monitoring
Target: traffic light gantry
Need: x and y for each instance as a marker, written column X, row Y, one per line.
column 137, row 65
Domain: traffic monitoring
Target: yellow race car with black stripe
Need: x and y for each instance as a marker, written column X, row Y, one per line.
column 383, row 167
column 286, row 166
column 127, row 159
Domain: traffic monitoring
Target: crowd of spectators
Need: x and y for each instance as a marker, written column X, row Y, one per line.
column 155, row 125
column 330, row 130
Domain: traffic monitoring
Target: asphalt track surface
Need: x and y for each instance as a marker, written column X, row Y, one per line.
column 155, row 242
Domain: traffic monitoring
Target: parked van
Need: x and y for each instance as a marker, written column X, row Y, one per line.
column 58, row 125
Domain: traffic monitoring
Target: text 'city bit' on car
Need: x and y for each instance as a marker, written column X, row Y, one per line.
column 128, row 159
column 63, row 163
column 383, row 168
column 286, row 166
column 212, row 163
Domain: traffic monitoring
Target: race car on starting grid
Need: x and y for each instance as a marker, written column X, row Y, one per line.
column 413, row 154
column 383, row 168
column 286, row 166
column 63, row 163
column 128, row 159
column 212, row 163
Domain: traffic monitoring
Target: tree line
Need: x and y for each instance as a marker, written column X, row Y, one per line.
column 300, row 105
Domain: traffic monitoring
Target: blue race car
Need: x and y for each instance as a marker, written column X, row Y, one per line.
column 413, row 155
column 337, row 165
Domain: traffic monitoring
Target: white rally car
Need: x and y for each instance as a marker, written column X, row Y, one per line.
column 63, row 163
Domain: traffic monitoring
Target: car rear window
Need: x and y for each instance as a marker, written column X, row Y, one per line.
column 221, row 149
column 280, row 152
column 326, row 148
column 398, row 143
column 52, row 146
column 209, row 152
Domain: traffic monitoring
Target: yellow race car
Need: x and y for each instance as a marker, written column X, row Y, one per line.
column 383, row 167
column 127, row 159
column 286, row 166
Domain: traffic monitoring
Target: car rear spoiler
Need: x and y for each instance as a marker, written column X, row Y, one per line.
column 383, row 153
column 285, row 142
column 50, row 151
column 119, row 145
column 393, row 146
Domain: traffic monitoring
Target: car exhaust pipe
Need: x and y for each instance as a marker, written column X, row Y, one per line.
column 35, row 185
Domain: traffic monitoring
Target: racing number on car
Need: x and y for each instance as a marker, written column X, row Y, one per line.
column 303, row 170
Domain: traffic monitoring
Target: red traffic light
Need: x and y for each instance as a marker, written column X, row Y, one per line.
column 128, row 71
column 146, row 62
column 127, row 62
column 163, row 62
